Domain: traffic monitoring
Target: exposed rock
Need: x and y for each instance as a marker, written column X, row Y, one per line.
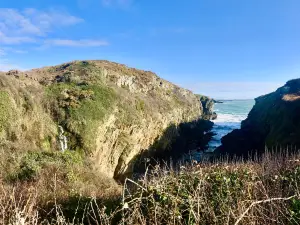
column 208, row 107
column 15, row 73
column 218, row 101
column 176, row 140
column 128, row 82
column 111, row 112
column 273, row 122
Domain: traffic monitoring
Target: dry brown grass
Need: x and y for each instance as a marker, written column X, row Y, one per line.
column 48, row 188
column 24, row 124
column 291, row 97
column 264, row 191
column 255, row 192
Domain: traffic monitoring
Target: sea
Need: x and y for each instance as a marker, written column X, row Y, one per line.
column 230, row 115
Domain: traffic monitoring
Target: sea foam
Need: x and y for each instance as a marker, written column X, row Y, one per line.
column 230, row 116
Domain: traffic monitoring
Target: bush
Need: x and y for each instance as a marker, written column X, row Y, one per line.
column 253, row 192
column 33, row 162
column 80, row 109
column 265, row 191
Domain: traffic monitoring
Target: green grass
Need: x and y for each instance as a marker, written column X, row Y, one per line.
column 6, row 109
column 80, row 109
column 97, row 107
column 32, row 163
column 202, row 98
column 55, row 90
column 140, row 105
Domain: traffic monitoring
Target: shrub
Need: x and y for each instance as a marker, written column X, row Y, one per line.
column 80, row 108
column 33, row 162
column 265, row 191
column 253, row 192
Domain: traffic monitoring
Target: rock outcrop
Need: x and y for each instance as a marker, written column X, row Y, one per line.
column 107, row 110
column 273, row 122
column 208, row 106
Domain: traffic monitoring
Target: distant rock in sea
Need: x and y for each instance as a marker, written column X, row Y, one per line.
column 218, row 101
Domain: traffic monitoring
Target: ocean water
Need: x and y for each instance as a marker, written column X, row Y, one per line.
column 230, row 115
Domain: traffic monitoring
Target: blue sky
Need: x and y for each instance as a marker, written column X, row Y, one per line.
column 222, row 48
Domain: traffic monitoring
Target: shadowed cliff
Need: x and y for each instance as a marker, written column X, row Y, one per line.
column 175, row 141
column 273, row 122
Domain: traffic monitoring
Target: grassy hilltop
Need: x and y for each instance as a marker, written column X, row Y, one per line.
column 111, row 115
column 108, row 111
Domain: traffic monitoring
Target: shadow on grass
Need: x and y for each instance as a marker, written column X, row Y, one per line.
column 82, row 210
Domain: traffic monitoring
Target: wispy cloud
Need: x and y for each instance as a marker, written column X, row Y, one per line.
column 19, row 51
column 117, row 3
column 168, row 30
column 76, row 43
column 83, row 4
column 9, row 49
column 13, row 40
column 17, row 27
column 2, row 52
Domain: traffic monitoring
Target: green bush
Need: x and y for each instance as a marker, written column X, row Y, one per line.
column 79, row 109
column 295, row 210
column 33, row 162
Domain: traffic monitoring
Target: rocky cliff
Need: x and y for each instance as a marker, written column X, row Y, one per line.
column 208, row 106
column 108, row 111
column 273, row 122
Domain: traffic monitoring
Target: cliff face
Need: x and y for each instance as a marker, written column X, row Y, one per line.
column 109, row 111
column 273, row 121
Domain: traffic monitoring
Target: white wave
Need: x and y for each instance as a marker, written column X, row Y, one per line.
column 224, row 124
column 230, row 114
column 230, row 118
